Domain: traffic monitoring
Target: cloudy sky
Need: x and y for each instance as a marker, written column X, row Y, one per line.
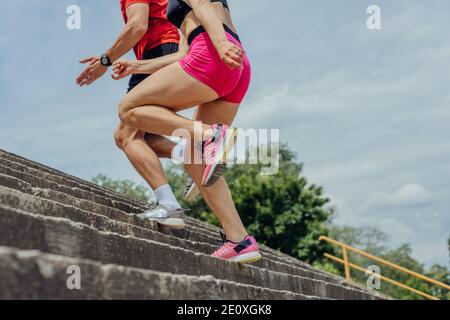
column 366, row 111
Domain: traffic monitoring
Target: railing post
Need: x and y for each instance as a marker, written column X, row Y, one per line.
column 346, row 265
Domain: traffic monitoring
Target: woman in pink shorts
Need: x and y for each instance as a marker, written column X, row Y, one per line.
column 213, row 73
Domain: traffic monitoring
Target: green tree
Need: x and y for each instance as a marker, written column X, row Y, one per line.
column 283, row 211
column 368, row 238
column 126, row 187
column 442, row 274
column 403, row 256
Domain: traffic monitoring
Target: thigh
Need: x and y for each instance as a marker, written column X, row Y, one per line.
column 135, row 80
column 217, row 112
column 170, row 87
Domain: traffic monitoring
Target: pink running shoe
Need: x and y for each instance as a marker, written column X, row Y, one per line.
column 246, row 251
column 215, row 152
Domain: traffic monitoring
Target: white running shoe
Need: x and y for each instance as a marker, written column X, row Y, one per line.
column 170, row 218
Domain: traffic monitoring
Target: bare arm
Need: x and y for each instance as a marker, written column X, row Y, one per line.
column 123, row 68
column 205, row 12
column 133, row 31
column 153, row 65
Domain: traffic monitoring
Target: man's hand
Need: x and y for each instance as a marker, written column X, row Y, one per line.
column 93, row 71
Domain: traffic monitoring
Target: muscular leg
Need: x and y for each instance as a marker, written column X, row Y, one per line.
column 141, row 156
column 152, row 105
column 160, row 145
column 218, row 196
column 174, row 89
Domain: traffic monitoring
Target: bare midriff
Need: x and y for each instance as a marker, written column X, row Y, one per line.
column 191, row 22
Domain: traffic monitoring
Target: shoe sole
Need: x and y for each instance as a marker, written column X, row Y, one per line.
column 192, row 193
column 172, row 223
column 245, row 258
column 219, row 167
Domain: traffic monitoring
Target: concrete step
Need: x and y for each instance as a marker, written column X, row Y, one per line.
column 40, row 182
column 29, row 165
column 40, row 179
column 35, row 275
column 113, row 220
column 30, row 184
column 199, row 230
column 24, row 165
column 43, row 172
column 67, row 197
column 62, row 236
column 60, row 182
column 15, row 199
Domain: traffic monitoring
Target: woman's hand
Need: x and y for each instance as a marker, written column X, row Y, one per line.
column 230, row 53
column 123, row 68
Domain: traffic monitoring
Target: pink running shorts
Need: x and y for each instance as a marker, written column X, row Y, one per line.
column 204, row 64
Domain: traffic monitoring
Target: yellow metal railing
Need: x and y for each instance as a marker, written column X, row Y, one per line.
column 348, row 266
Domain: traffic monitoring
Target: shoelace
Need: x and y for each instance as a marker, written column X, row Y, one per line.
column 209, row 151
column 225, row 244
column 207, row 147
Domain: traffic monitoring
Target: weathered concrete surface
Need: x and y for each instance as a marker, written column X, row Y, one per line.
column 20, row 164
column 28, row 203
column 34, row 275
column 44, row 209
column 64, row 237
column 114, row 220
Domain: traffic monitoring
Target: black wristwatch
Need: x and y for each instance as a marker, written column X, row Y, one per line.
column 105, row 60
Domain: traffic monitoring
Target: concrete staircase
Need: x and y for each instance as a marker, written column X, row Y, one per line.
column 50, row 220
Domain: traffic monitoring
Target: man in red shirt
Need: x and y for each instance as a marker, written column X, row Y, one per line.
column 147, row 31
column 151, row 35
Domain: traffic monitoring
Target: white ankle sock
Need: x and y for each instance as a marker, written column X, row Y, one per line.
column 165, row 196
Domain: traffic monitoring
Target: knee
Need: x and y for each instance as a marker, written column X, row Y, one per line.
column 119, row 138
column 126, row 110
column 124, row 107
column 124, row 137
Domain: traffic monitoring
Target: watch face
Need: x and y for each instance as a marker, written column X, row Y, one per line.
column 104, row 61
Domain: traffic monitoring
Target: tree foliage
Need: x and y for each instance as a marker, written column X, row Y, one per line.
column 283, row 210
column 372, row 240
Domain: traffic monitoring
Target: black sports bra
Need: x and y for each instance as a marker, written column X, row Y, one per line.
column 177, row 10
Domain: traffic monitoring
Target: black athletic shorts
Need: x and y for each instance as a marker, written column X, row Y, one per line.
column 156, row 52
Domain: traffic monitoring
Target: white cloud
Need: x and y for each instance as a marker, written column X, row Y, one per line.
column 410, row 196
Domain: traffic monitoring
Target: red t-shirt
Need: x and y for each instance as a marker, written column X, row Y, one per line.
column 160, row 30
